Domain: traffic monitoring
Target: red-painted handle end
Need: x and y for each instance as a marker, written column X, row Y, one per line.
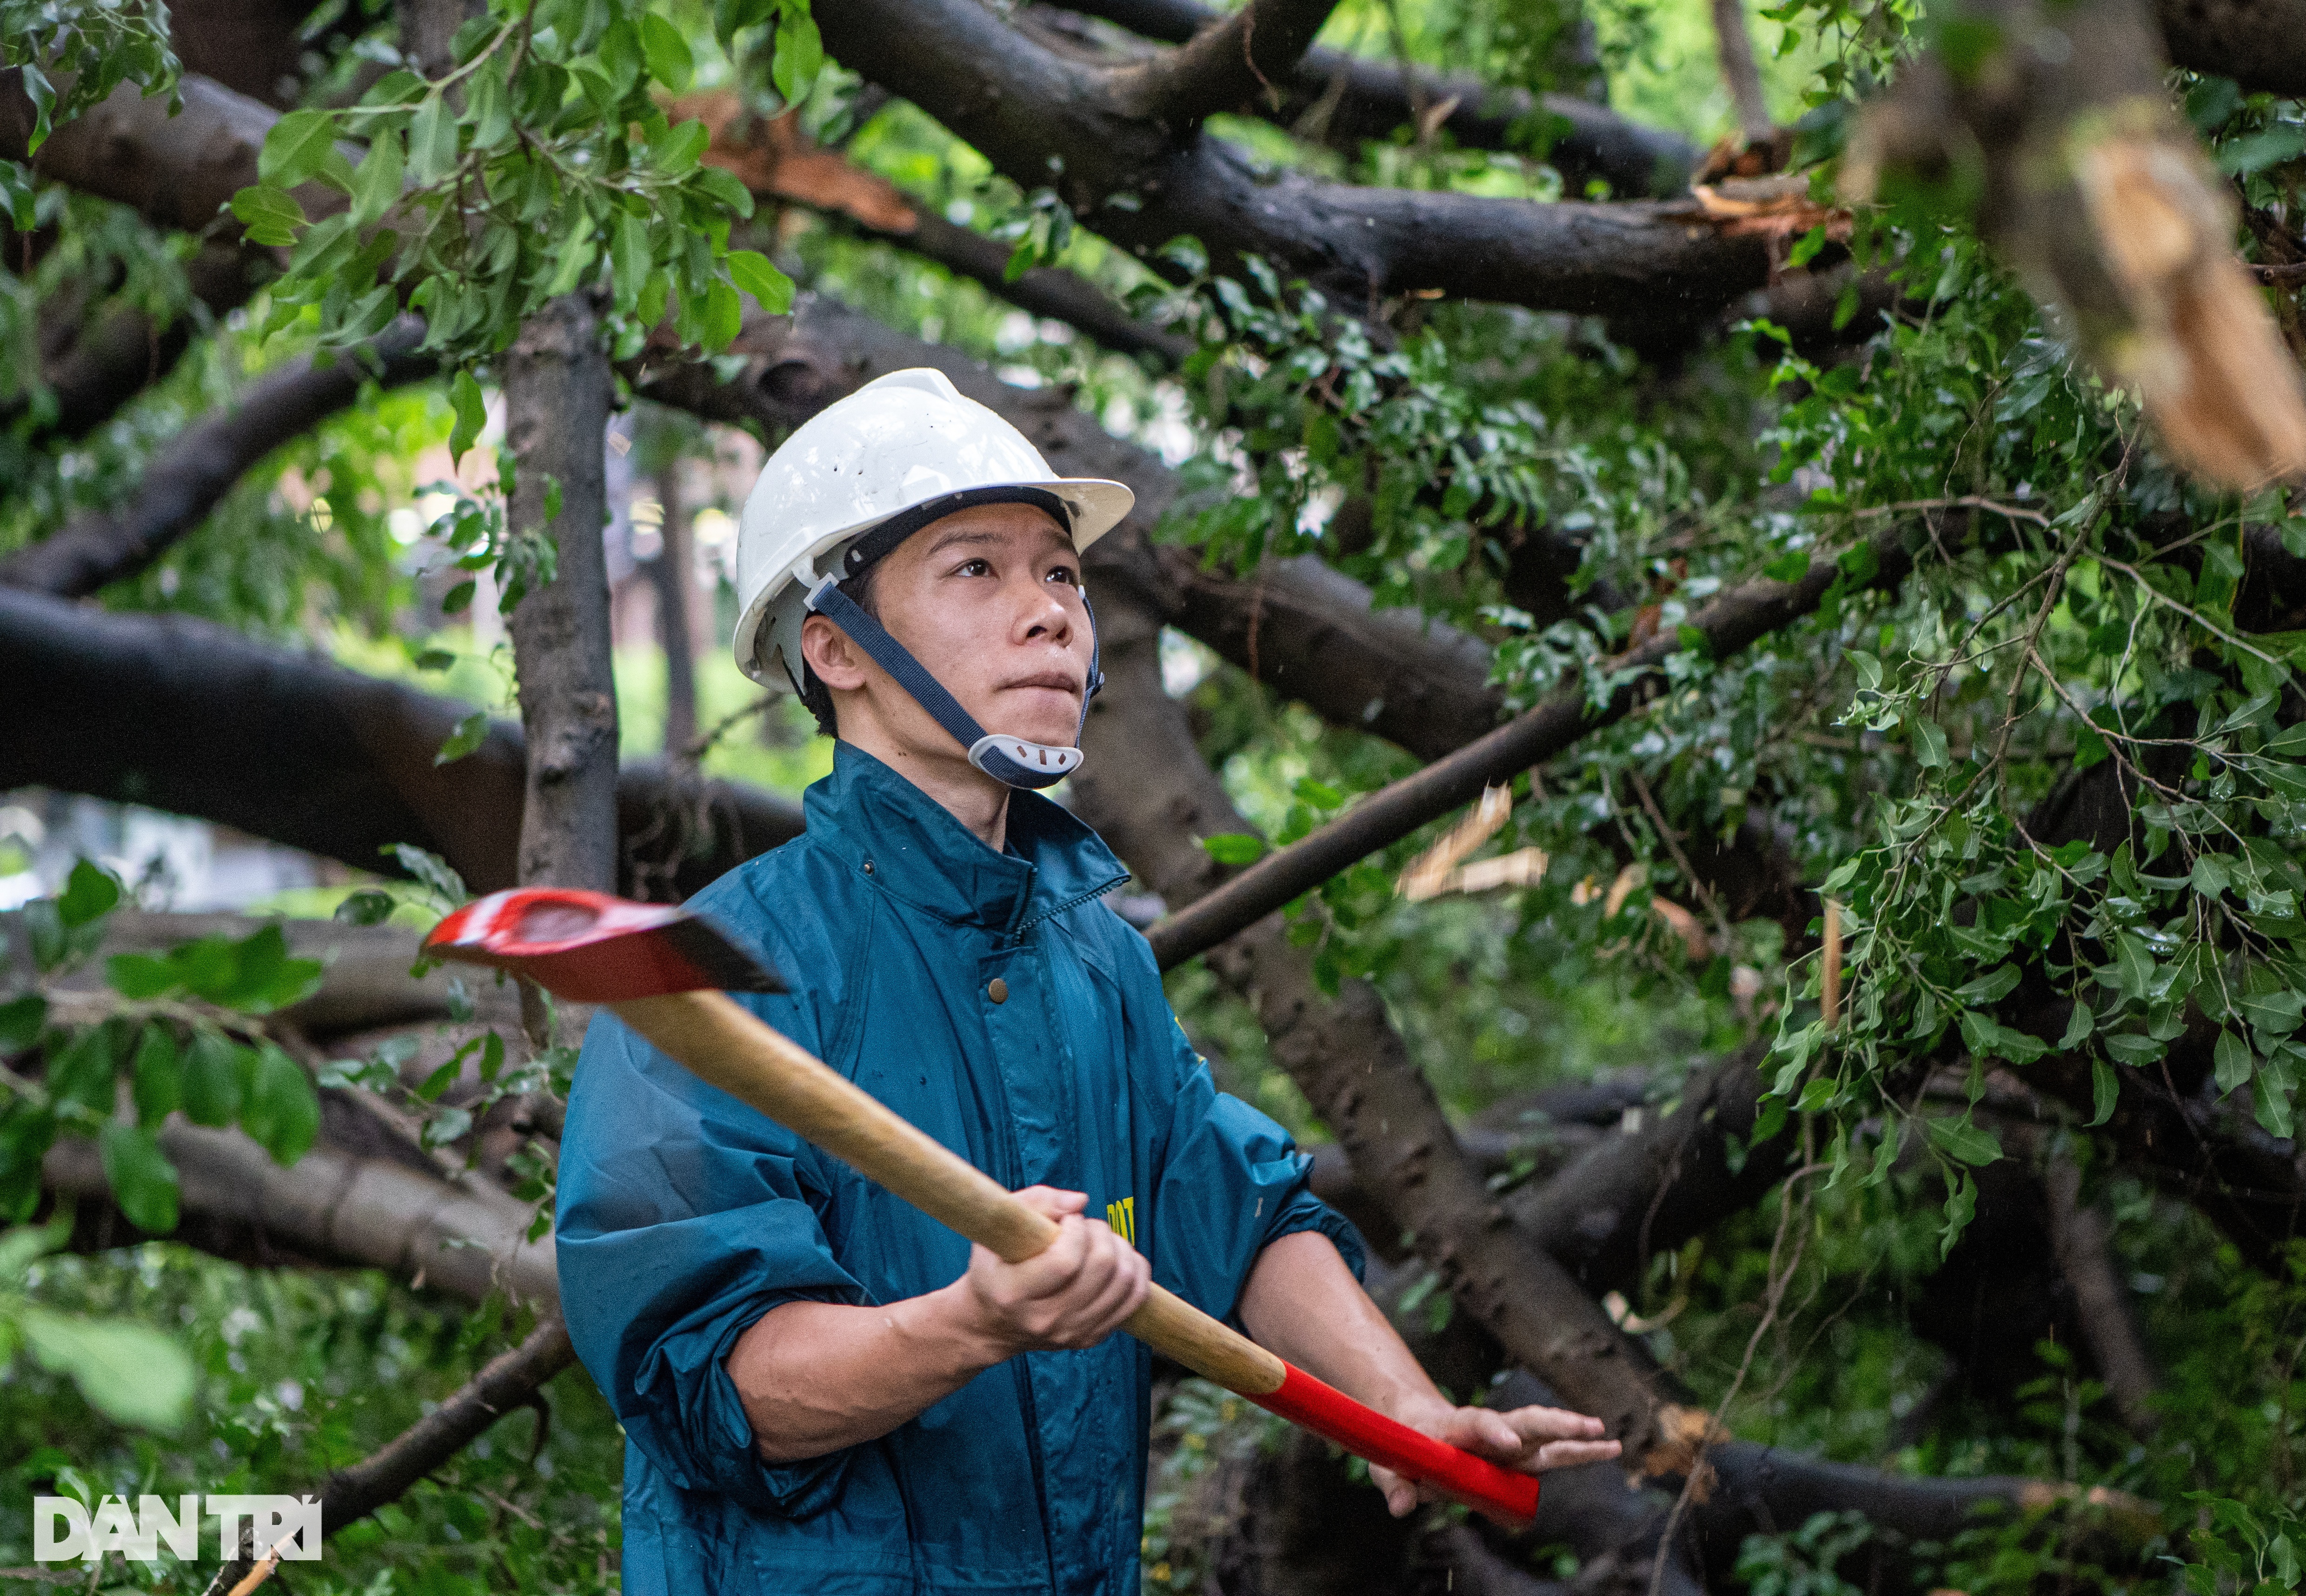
column 1330, row 1413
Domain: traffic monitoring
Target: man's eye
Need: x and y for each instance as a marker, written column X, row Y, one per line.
column 974, row 567
column 1060, row 574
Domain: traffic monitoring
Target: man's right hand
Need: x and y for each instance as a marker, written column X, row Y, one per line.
column 1073, row 1293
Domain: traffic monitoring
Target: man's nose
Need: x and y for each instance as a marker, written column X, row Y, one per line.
column 1047, row 613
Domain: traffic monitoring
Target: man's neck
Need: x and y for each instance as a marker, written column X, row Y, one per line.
column 967, row 794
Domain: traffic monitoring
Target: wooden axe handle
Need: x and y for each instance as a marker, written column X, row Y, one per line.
column 732, row 1048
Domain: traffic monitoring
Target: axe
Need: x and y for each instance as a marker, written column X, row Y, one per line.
column 666, row 973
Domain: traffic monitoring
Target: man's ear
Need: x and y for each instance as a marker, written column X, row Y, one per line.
column 836, row 660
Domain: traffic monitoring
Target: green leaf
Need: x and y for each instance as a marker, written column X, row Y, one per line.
column 800, row 52
column 759, row 276
column 1234, row 848
column 724, row 316
column 1963, row 1141
column 1991, row 987
column 139, row 977
column 2105, row 1091
column 89, row 893
column 131, row 1374
column 271, row 216
column 2128, row 1048
column 376, row 187
column 159, row 1075
column 488, row 110
column 295, row 148
column 679, row 147
column 432, row 141
column 214, row 1071
column 21, row 1020
column 2233, row 1062
column 283, row 1112
column 669, row 61
column 367, row 907
column 1787, row 568
column 83, row 1070
column 628, row 257
column 472, row 409
column 18, row 200
column 1929, row 745
column 434, row 873
column 143, row 1181
column 471, row 733
column 1804, row 251
column 2079, row 1027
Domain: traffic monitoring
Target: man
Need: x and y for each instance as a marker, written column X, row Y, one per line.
column 821, row 1389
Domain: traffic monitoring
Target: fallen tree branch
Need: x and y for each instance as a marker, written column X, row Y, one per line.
column 202, row 463
column 1229, row 65
column 336, row 1207
column 176, row 712
column 1363, row 100
column 510, row 1380
column 1357, row 244
column 1729, row 623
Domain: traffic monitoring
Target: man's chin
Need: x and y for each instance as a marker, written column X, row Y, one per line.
column 1049, row 730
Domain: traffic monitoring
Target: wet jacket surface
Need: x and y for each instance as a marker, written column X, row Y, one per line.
column 685, row 1215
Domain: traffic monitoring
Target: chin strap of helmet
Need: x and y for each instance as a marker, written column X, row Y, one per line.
column 1012, row 760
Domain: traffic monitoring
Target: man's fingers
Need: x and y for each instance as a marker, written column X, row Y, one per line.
column 1400, row 1494
column 1570, row 1455
column 1056, row 1267
column 1053, row 1201
column 1552, row 1424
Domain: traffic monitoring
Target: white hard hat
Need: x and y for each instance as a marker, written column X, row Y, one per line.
column 907, row 441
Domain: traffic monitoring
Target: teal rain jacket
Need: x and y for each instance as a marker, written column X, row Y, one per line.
column 685, row 1215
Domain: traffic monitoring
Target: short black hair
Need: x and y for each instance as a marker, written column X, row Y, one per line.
column 815, row 697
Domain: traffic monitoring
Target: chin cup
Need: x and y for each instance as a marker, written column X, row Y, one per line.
column 1020, row 763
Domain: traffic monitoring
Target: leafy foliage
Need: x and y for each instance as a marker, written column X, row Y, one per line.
column 538, row 161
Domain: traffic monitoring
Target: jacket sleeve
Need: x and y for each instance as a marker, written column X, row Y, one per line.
column 683, row 1217
column 1230, row 1181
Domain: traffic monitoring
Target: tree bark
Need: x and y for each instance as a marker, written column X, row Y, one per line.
column 557, row 390
column 177, row 713
column 673, row 576
column 1358, row 244
column 334, row 1207
column 2083, row 1237
column 510, row 1380
column 2261, row 44
column 1368, row 99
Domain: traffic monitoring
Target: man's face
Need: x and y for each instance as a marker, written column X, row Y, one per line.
column 989, row 601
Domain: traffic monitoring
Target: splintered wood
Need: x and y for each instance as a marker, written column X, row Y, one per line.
column 2202, row 349
column 1436, row 871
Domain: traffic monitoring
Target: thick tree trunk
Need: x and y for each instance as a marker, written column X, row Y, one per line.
column 557, row 390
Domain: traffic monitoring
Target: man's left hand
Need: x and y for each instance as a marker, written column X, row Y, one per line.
column 1532, row 1439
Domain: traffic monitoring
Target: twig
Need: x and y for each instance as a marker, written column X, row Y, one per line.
column 1968, row 502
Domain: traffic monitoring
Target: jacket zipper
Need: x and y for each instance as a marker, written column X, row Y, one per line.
column 1017, row 936
column 1024, row 1374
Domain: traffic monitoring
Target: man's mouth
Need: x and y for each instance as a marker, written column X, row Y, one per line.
column 1056, row 680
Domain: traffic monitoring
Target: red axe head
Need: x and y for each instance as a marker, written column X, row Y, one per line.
column 591, row 948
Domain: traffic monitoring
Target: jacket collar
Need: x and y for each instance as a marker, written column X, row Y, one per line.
column 868, row 814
